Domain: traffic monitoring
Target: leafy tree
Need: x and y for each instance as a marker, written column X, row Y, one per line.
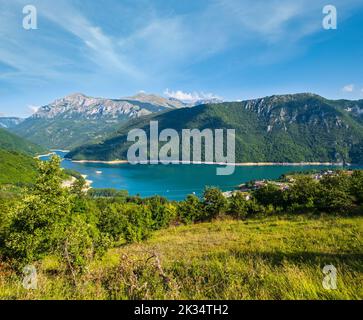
column 334, row 193
column 160, row 212
column 269, row 195
column 238, row 206
column 111, row 220
column 137, row 222
column 214, row 203
column 356, row 187
column 78, row 187
column 108, row 193
column 190, row 210
column 46, row 222
column 254, row 208
column 32, row 232
column 302, row 194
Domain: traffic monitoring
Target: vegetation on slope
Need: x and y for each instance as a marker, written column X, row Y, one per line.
column 65, row 133
column 292, row 128
column 16, row 168
column 270, row 247
column 11, row 142
column 274, row 258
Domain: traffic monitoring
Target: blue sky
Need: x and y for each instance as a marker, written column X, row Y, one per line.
column 227, row 48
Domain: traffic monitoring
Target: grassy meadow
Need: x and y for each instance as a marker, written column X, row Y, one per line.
column 271, row 258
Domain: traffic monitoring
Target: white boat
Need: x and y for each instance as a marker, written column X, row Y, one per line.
column 99, row 172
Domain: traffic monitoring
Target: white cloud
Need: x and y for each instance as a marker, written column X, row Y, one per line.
column 101, row 48
column 190, row 97
column 33, row 108
column 348, row 88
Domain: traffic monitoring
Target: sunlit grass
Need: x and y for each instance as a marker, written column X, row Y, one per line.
column 273, row 258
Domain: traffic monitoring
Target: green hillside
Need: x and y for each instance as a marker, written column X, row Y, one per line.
column 16, row 168
column 288, row 128
column 17, row 165
column 65, row 133
column 11, row 142
column 78, row 119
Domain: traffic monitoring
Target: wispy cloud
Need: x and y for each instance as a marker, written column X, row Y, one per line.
column 119, row 46
column 99, row 46
column 190, row 97
column 159, row 42
column 348, row 88
column 33, row 109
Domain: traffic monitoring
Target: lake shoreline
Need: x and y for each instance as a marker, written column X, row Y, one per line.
column 239, row 164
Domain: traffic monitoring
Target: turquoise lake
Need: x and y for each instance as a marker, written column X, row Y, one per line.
column 173, row 181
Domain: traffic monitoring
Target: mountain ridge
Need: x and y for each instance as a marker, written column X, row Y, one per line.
column 301, row 127
column 10, row 122
column 77, row 118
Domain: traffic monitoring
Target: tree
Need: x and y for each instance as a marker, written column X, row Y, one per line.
column 356, row 186
column 46, row 222
column 190, row 210
column 302, row 194
column 334, row 193
column 110, row 221
column 161, row 213
column 238, row 206
column 269, row 194
column 32, row 232
column 214, row 203
column 137, row 222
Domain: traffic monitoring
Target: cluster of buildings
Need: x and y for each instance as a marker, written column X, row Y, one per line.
column 247, row 188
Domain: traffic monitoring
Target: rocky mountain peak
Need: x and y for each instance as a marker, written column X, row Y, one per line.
column 78, row 105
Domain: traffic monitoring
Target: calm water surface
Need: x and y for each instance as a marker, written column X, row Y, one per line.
column 172, row 181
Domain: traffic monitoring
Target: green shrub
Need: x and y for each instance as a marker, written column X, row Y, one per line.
column 161, row 213
column 302, row 195
column 238, row 206
column 47, row 221
column 108, row 193
column 334, row 194
column 137, row 222
column 111, row 221
column 214, row 203
column 190, row 210
column 269, row 195
column 356, row 186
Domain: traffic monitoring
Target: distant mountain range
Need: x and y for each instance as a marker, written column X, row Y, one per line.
column 285, row 128
column 281, row 128
column 78, row 119
column 9, row 122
